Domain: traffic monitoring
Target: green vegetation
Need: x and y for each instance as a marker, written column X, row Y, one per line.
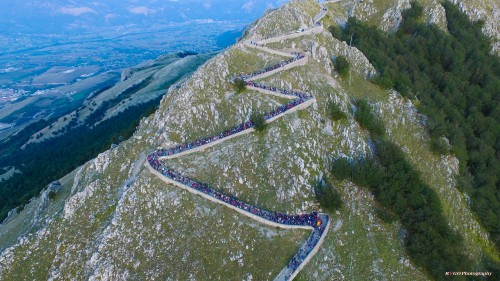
column 366, row 119
column 41, row 163
column 73, row 145
column 239, row 85
column 327, row 196
column 335, row 112
column 335, row 30
column 105, row 214
column 52, row 195
column 10, row 144
column 259, row 122
column 441, row 145
column 457, row 82
column 342, row 66
column 99, row 113
column 403, row 195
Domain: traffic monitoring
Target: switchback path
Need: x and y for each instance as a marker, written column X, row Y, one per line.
column 318, row 223
column 321, row 15
column 309, row 31
column 261, row 47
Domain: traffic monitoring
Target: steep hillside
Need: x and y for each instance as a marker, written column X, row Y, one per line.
column 387, row 13
column 139, row 84
column 115, row 219
column 47, row 150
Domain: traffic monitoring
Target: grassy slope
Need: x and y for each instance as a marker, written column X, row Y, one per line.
column 71, row 241
column 156, row 230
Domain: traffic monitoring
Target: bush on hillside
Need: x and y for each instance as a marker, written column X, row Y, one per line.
column 335, row 112
column 336, row 31
column 367, row 120
column 51, row 195
column 239, row 85
column 440, row 145
column 326, row 194
column 342, row 66
column 258, row 121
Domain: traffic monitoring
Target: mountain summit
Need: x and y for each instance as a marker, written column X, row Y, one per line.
column 227, row 179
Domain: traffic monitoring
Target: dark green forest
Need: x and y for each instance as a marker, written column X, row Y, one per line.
column 457, row 83
column 42, row 163
column 401, row 194
column 327, row 196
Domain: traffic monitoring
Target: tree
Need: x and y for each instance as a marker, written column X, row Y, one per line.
column 342, row 65
column 258, row 121
column 456, row 81
column 368, row 121
column 440, row 145
column 52, row 195
column 326, row 194
column 239, row 85
column 335, row 112
column 336, row 31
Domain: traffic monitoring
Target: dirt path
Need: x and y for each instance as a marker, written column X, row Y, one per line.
column 318, row 223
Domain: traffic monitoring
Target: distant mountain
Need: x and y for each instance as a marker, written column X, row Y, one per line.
column 107, row 111
column 48, row 46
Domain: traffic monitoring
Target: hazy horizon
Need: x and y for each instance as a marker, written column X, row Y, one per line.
column 70, row 16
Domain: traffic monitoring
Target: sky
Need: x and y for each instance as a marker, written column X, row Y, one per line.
column 76, row 15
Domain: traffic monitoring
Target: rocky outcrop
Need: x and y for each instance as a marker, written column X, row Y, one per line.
column 487, row 11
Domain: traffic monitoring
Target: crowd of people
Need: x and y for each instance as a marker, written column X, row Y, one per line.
column 312, row 220
column 308, row 246
column 256, row 44
column 302, row 97
column 283, row 108
column 317, row 222
column 249, row 124
column 246, row 77
column 298, row 94
column 200, row 142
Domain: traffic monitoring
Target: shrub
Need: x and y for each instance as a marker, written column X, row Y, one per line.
column 336, row 31
column 383, row 81
column 336, row 112
column 239, row 85
column 342, row 169
column 342, row 65
column 52, row 195
column 328, row 197
column 258, row 121
column 440, row 145
column 385, row 214
column 367, row 120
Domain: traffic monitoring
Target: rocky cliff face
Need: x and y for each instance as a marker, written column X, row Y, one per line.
column 114, row 220
column 387, row 14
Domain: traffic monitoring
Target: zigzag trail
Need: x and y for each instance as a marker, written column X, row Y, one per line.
column 318, row 223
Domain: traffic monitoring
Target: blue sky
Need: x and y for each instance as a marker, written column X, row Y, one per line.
column 68, row 14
